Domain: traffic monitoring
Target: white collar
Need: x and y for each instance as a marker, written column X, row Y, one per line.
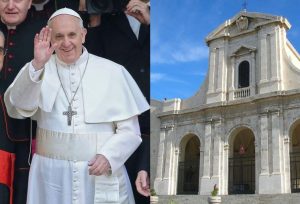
column 134, row 24
column 83, row 57
column 40, row 6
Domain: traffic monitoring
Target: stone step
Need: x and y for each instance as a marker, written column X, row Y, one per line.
column 293, row 198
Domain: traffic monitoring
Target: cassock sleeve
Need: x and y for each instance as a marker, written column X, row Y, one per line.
column 22, row 96
column 123, row 143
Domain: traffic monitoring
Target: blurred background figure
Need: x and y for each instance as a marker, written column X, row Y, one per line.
column 2, row 49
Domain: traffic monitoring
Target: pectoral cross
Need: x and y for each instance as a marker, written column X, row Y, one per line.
column 69, row 114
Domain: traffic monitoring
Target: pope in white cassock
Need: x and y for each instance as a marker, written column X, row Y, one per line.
column 86, row 109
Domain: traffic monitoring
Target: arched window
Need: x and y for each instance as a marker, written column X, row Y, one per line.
column 244, row 70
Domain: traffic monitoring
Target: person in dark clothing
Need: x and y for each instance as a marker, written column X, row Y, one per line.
column 124, row 37
column 19, row 30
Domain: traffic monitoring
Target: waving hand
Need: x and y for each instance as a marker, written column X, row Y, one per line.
column 42, row 48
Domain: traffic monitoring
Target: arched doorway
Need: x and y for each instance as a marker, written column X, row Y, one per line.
column 295, row 158
column 188, row 166
column 242, row 162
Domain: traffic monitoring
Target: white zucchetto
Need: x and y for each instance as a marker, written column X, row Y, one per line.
column 64, row 11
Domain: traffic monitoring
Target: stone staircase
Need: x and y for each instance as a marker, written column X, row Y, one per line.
column 293, row 198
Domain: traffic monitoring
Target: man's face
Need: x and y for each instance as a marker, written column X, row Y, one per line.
column 13, row 12
column 2, row 51
column 69, row 35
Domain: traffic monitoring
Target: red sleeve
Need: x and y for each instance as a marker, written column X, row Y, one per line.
column 7, row 169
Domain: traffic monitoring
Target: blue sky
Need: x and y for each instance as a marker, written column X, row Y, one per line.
column 179, row 55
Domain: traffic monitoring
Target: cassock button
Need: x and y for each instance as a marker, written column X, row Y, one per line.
column 10, row 43
column 10, row 56
column 9, row 69
column 12, row 32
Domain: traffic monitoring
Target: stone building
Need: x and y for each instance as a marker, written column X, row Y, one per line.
column 241, row 130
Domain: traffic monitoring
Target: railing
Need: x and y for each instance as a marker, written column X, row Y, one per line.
column 242, row 93
column 241, row 175
column 295, row 171
column 188, row 177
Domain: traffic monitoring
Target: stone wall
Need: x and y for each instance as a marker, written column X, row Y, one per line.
column 234, row 199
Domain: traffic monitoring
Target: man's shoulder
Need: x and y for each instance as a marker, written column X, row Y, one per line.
column 104, row 63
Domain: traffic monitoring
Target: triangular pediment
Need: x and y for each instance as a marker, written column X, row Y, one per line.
column 245, row 22
column 242, row 50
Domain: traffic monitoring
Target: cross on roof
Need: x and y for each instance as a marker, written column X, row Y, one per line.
column 245, row 5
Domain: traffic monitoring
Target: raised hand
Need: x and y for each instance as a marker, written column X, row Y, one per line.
column 139, row 10
column 42, row 48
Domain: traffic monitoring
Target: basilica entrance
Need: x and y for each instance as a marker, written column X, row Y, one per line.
column 295, row 159
column 242, row 163
column 188, row 167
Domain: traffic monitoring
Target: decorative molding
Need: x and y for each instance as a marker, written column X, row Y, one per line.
column 242, row 23
column 286, row 140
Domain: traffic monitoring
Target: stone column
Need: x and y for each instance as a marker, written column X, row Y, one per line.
column 216, row 157
column 201, row 166
column 263, row 58
column 252, row 74
column 221, row 63
column 212, row 66
column 168, row 155
column 175, row 171
column 232, row 82
column 205, row 179
column 276, row 183
column 160, row 156
column 162, row 182
column 287, row 165
column 264, row 144
column 207, row 150
column 225, row 170
column 275, row 57
column 276, row 146
column 216, row 151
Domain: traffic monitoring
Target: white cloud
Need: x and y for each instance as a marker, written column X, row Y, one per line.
column 156, row 77
column 188, row 53
column 167, row 53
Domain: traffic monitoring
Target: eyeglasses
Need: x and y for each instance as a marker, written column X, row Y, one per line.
column 3, row 51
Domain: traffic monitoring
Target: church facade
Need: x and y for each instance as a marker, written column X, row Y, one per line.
column 241, row 130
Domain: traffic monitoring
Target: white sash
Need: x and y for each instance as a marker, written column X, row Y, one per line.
column 80, row 147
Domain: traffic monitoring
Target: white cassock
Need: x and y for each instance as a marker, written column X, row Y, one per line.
column 107, row 104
